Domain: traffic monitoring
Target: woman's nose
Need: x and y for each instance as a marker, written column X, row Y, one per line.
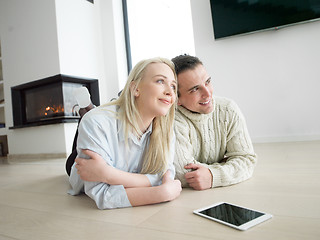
column 169, row 90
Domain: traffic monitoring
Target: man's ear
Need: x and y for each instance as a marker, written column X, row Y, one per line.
column 134, row 90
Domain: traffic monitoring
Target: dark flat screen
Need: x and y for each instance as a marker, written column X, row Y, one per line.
column 233, row 17
column 232, row 214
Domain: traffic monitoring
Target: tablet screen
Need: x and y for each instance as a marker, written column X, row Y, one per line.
column 231, row 214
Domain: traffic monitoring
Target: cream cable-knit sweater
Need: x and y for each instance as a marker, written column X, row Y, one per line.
column 218, row 140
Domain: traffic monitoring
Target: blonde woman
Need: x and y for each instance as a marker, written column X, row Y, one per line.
column 131, row 141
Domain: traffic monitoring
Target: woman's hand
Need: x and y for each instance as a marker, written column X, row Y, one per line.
column 171, row 189
column 167, row 191
column 94, row 169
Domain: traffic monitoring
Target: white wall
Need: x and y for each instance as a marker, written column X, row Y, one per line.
column 91, row 42
column 273, row 76
column 44, row 38
column 30, row 52
column 78, row 39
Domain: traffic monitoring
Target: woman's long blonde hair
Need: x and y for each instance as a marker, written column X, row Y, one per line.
column 155, row 157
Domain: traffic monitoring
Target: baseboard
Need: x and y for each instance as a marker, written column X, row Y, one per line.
column 14, row 158
column 305, row 138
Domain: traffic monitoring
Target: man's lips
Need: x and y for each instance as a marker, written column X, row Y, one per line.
column 205, row 103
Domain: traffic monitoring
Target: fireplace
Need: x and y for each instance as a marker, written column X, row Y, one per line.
column 49, row 100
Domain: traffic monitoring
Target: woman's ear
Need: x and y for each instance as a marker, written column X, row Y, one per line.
column 134, row 90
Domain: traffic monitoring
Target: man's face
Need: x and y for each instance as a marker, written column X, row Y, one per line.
column 195, row 90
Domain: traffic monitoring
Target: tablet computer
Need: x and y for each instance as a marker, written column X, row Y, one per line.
column 232, row 215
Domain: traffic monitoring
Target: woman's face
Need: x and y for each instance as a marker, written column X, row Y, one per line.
column 155, row 93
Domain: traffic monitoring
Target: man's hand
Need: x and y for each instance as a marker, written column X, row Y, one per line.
column 200, row 178
column 94, row 169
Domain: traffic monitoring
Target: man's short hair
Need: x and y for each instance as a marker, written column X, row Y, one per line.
column 185, row 62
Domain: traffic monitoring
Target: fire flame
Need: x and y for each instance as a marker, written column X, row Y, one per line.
column 53, row 109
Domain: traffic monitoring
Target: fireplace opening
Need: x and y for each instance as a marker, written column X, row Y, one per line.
column 50, row 100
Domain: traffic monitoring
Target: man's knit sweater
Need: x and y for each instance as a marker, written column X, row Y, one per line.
column 218, row 140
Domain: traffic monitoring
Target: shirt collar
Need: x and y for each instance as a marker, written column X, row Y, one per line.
column 142, row 139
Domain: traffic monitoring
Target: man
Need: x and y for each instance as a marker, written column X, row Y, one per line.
column 213, row 147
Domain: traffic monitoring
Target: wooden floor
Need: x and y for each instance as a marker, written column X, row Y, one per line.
column 34, row 203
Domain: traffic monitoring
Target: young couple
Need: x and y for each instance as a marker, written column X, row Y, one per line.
column 131, row 149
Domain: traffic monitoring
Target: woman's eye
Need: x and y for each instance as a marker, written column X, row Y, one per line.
column 160, row 81
column 173, row 87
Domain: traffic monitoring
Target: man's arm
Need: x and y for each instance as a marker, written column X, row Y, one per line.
column 236, row 152
column 184, row 148
column 200, row 177
column 239, row 156
column 188, row 170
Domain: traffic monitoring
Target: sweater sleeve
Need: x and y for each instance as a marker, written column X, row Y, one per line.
column 184, row 150
column 220, row 141
column 239, row 157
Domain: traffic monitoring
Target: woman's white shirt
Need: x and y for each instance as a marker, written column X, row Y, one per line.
column 100, row 131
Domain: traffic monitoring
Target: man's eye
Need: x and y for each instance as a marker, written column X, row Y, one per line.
column 194, row 90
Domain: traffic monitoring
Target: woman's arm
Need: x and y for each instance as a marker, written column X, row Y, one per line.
column 96, row 169
column 116, row 196
column 167, row 191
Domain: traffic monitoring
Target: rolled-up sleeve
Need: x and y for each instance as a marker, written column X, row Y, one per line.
column 107, row 196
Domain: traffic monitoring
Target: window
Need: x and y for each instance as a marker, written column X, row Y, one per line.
column 158, row 28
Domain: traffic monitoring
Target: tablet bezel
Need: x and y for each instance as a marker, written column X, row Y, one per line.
column 242, row 227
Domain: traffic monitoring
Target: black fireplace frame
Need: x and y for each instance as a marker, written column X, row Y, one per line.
column 19, row 106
